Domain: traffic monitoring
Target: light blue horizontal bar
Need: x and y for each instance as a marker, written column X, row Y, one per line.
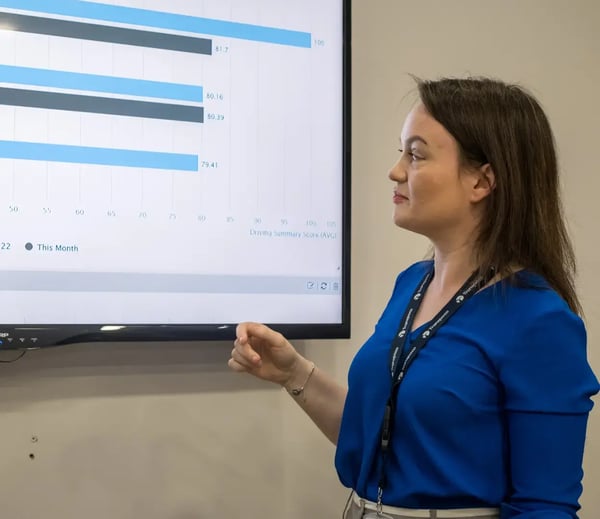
column 96, row 83
column 99, row 156
column 162, row 20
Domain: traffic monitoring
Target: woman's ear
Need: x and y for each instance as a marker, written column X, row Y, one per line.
column 484, row 182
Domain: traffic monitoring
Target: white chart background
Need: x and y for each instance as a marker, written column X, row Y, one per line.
column 265, row 201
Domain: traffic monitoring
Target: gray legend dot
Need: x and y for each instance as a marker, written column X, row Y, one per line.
column 28, row 246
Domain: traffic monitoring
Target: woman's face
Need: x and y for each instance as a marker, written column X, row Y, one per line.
column 433, row 194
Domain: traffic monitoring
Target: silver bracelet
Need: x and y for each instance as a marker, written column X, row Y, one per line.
column 297, row 391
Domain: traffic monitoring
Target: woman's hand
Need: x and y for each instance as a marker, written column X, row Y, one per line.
column 267, row 354
column 264, row 353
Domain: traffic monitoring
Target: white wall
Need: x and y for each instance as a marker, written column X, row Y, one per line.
column 166, row 432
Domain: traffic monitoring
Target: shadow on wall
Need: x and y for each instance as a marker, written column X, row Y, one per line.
column 114, row 369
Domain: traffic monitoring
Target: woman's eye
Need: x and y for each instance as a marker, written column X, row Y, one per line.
column 413, row 156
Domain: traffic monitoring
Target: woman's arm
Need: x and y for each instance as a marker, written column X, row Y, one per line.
column 547, row 386
column 322, row 398
column 546, row 452
column 268, row 355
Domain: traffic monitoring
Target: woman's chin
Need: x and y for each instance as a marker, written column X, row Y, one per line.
column 400, row 220
column 402, row 224
column 407, row 225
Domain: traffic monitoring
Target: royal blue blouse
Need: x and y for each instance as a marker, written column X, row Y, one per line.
column 492, row 413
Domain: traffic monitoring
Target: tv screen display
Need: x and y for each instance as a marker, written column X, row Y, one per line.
column 171, row 168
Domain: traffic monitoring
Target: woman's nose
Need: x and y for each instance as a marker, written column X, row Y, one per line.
column 397, row 173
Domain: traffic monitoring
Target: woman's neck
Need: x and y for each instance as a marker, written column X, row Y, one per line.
column 452, row 266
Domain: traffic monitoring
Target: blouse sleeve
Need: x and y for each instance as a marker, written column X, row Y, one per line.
column 548, row 385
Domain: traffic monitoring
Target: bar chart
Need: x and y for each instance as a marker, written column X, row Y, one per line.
column 154, row 137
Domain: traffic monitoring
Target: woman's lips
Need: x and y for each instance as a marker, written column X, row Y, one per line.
column 399, row 199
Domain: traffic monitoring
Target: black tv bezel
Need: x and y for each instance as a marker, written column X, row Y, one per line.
column 32, row 336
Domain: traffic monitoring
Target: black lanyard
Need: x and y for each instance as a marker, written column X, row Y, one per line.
column 401, row 360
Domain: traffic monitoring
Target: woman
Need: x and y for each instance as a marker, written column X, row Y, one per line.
column 471, row 397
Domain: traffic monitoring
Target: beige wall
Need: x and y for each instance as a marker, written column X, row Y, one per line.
column 165, row 432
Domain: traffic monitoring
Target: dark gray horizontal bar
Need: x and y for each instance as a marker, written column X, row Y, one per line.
column 168, row 283
column 94, row 32
column 100, row 105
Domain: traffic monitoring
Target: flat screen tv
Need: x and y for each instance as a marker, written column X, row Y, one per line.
column 171, row 168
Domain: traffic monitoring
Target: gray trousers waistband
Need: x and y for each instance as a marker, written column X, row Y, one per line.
column 358, row 508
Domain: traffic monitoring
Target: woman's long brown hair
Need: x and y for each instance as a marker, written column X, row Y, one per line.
column 504, row 125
